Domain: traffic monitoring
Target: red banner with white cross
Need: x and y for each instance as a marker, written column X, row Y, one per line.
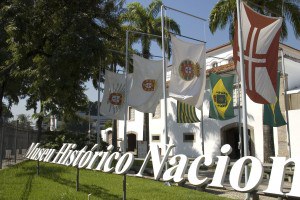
column 260, row 37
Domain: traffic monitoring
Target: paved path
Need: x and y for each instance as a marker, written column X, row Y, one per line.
column 229, row 192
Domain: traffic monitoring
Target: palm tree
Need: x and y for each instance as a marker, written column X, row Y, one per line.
column 224, row 13
column 147, row 20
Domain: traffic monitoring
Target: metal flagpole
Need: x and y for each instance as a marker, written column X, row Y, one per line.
column 163, row 8
column 245, row 128
column 98, row 106
column 286, row 104
column 202, row 130
column 125, row 113
column 126, row 105
column 164, row 74
column 239, row 116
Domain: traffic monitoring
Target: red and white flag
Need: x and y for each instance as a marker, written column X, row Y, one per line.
column 261, row 42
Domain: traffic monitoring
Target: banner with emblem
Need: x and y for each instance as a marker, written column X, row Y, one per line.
column 113, row 101
column 221, row 104
column 188, row 75
column 186, row 113
column 261, row 42
column 146, row 90
column 272, row 113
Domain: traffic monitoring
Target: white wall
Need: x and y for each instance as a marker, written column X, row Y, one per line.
column 294, row 116
column 104, row 134
column 134, row 126
column 212, row 127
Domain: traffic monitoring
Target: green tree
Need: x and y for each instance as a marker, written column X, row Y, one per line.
column 6, row 113
column 24, row 121
column 224, row 13
column 108, row 124
column 55, row 46
column 76, row 124
column 147, row 20
column 9, row 83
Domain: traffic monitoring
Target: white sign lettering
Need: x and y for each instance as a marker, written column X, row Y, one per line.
column 102, row 161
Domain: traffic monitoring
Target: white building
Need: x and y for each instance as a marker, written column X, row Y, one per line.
column 188, row 138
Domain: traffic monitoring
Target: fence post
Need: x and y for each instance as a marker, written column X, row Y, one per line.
column 15, row 138
column 27, row 139
column 77, row 178
column 38, row 167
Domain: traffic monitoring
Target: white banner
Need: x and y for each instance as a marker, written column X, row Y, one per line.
column 113, row 101
column 146, row 90
column 188, row 75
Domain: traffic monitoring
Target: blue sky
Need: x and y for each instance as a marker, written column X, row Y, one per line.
column 189, row 27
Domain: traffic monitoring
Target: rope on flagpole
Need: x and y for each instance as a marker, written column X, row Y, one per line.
column 286, row 103
column 245, row 128
column 184, row 36
column 167, row 7
column 130, row 55
column 188, row 14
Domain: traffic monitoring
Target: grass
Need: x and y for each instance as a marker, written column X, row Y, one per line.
column 59, row 182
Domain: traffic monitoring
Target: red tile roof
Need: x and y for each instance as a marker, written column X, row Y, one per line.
column 221, row 69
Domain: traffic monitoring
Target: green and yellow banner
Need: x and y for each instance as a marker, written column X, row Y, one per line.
column 272, row 113
column 221, row 103
column 186, row 113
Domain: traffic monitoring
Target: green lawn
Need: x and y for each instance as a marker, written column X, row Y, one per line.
column 59, row 182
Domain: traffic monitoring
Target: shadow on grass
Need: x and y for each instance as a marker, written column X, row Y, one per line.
column 53, row 174
column 27, row 188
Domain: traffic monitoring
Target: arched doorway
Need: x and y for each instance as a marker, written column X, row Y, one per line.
column 230, row 135
column 131, row 139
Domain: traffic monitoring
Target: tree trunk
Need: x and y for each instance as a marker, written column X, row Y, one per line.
column 3, row 85
column 114, row 128
column 114, row 134
column 39, row 123
column 146, row 54
column 146, row 129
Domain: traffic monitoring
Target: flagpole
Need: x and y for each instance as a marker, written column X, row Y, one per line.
column 202, row 130
column 286, row 103
column 126, row 104
column 164, row 75
column 245, row 128
column 125, row 113
column 98, row 106
column 239, row 116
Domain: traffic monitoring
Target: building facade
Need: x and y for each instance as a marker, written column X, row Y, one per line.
column 209, row 135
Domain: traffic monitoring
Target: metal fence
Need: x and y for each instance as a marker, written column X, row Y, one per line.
column 14, row 142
